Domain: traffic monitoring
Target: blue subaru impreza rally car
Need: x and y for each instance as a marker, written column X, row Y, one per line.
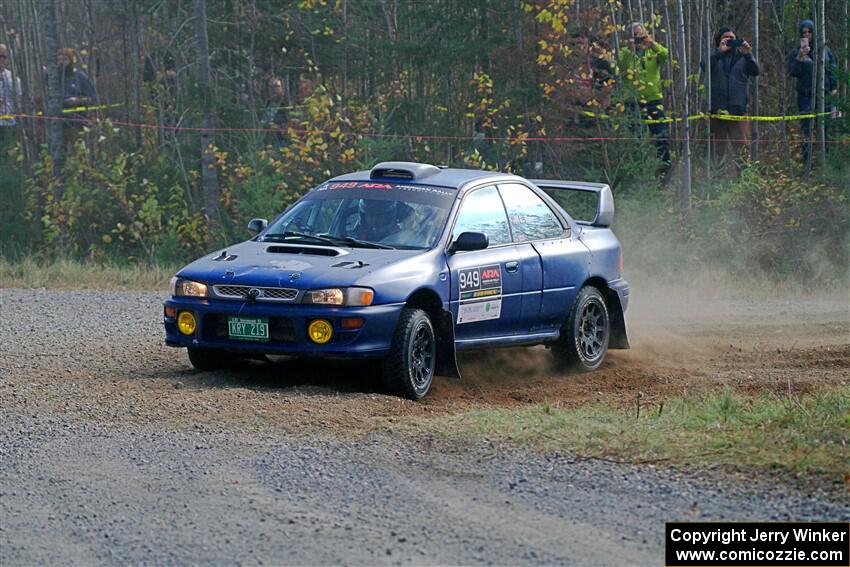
column 409, row 263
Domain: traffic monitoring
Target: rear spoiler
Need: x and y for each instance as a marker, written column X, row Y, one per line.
column 604, row 196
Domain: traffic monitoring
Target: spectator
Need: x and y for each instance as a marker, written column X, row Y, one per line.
column 77, row 89
column 732, row 64
column 802, row 67
column 640, row 67
column 275, row 115
column 592, row 72
column 10, row 97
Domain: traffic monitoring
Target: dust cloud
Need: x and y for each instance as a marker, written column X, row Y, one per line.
column 698, row 327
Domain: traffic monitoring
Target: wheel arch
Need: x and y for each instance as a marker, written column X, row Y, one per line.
column 619, row 335
column 429, row 301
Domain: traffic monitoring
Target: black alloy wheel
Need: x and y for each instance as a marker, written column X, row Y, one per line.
column 423, row 350
column 585, row 336
column 593, row 330
column 409, row 367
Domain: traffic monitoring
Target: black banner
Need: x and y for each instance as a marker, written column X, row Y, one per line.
column 741, row 544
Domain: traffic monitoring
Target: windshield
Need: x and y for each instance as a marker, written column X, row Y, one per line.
column 366, row 214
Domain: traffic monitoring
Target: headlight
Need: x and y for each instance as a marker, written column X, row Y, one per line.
column 187, row 288
column 356, row 296
column 333, row 296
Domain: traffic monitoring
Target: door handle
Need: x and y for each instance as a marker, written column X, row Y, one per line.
column 512, row 266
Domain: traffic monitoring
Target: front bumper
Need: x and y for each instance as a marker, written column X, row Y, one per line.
column 287, row 327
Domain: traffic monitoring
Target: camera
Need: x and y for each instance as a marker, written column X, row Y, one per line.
column 733, row 43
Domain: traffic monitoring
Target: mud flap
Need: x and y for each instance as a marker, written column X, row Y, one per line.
column 446, row 353
column 619, row 334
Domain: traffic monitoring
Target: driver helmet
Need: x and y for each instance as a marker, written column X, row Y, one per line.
column 379, row 210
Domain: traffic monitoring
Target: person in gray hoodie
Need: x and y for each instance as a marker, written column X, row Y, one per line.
column 802, row 67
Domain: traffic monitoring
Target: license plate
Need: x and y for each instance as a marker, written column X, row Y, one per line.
column 247, row 329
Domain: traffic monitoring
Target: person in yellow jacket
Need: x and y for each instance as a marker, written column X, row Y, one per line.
column 640, row 71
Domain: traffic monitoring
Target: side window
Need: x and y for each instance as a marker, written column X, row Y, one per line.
column 483, row 211
column 530, row 217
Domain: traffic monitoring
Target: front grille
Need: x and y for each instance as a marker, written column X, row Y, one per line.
column 265, row 293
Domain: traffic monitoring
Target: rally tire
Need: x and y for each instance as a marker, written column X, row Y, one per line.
column 207, row 358
column 408, row 369
column 585, row 336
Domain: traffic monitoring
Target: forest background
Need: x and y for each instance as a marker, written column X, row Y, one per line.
column 181, row 153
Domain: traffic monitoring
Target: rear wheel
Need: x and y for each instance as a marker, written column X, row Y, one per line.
column 585, row 336
column 408, row 369
column 207, row 358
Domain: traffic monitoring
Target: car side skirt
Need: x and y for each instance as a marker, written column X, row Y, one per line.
column 508, row 341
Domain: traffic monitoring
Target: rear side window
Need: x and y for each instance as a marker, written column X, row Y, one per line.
column 482, row 211
column 530, row 217
column 580, row 205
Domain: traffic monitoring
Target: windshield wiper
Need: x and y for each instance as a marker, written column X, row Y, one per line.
column 366, row 243
column 328, row 239
column 295, row 234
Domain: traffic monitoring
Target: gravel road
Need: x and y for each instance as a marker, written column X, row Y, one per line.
column 113, row 450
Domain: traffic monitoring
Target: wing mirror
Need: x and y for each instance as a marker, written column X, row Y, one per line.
column 256, row 226
column 467, row 241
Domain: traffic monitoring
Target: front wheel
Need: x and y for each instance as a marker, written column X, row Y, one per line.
column 409, row 367
column 207, row 358
column 585, row 336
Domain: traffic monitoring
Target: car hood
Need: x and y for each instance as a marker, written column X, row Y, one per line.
column 300, row 266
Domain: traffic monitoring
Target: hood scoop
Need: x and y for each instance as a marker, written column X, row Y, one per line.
column 312, row 251
column 350, row 265
column 225, row 257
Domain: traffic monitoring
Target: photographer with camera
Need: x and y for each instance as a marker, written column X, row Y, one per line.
column 640, row 67
column 732, row 64
column 802, row 67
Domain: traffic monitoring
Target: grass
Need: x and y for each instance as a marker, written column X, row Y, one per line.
column 74, row 274
column 804, row 437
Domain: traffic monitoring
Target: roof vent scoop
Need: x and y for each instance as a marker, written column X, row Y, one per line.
column 407, row 170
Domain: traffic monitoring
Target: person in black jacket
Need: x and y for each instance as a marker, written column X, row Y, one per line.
column 802, row 67
column 276, row 116
column 78, row 93
column 732, row 64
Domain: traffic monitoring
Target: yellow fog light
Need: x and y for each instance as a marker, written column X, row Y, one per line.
column 186, row 323
column 320, row 331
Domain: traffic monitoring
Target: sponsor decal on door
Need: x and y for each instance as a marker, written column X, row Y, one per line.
column 480, row 294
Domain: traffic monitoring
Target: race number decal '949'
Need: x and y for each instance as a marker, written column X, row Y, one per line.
column 480, row 294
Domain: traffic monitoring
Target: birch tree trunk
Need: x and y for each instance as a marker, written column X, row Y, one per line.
column 209, row 175
column 821, row 90
column 55, row 142
column 668, row 26
column 754, row 143
column 136, row 62
column 845, row 85
column 686, row 126
column 815, row 55
column 707, row 59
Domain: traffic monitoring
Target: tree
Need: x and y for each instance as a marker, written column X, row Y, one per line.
column 209, row 174
column 55, row 142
